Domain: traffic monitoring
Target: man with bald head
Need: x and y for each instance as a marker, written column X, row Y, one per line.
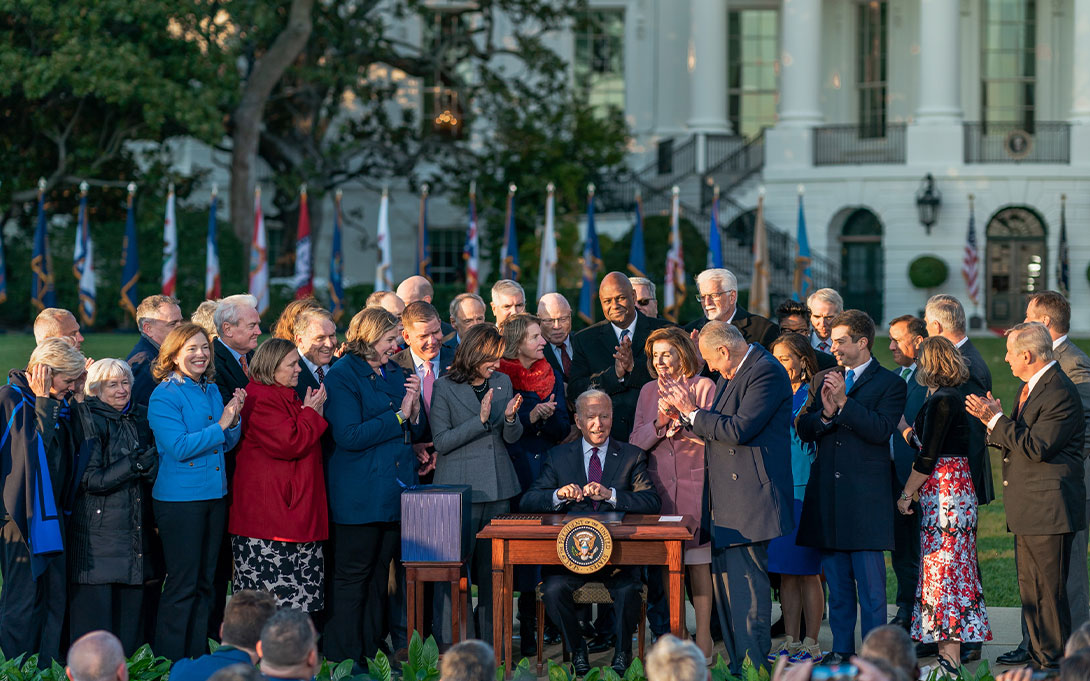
column 609, row 355
column 555, row 314
column 54, row 322
column 97, row 656
column 417, row 288
column 466, row 311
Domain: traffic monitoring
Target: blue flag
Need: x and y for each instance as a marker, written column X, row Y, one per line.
column 42, row 292
column 84, row 264
column 637, row 261
column 130, row 260
column 715, row 242
column 336, row 265
column 804, row 282
column 509, row 268
column 592, row 263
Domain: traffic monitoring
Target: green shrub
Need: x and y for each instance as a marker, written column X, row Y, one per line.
column 927, row 272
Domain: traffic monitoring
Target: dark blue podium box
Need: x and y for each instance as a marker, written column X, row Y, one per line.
column 435, row 524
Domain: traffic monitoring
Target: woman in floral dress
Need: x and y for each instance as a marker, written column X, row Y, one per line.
column 949, row 606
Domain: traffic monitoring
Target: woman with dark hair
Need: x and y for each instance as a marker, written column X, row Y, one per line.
column 949, row 606
column 802, row 598
column 278, row 516
column 374, row 413
column 474, row 416
column 110, row 529
column 193, row 429
column 675, row 458
column 545, row 423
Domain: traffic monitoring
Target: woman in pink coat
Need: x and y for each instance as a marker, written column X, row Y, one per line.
column 676, row 456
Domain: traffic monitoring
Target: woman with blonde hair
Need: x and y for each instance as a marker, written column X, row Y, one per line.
column 374, row 413
column 675, row 459
column 110, row 529
column 193, row 430
column 949, row 607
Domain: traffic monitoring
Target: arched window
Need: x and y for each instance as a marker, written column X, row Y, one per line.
column 1016, row 263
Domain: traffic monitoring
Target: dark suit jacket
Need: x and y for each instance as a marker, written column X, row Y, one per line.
column 747, row 435
column 903, row 455
column 404, row 359
column 1043, row 490
column 592, row 367
column 555, row 363
column 824, row 360
column 205, row 666
column 143, row 355
column 229, row 374
column 624, row 469
column 979, row 383
column 1076, row 365
column 754, row 328
column 847, row 505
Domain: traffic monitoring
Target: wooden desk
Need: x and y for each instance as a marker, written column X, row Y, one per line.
column 638, row 540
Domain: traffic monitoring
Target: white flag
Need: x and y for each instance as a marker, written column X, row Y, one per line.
column 384, row 278
column 546, row 277
column 675, row 264
column 259, row 258
column 170, row 247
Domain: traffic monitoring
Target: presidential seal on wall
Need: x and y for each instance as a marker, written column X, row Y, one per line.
column 584, row 545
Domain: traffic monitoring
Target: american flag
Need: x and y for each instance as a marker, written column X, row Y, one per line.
column 970, row 261
column 469, row 251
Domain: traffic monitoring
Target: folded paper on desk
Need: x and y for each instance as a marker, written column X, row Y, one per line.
column 671, row 518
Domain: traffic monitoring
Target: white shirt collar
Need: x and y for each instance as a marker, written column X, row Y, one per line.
column 1056, row 343
column 749, row 351
column 631, row 329
column 815, row 341
column 602, row 449
column 311, row 365
column 963, row 341
column 1036, row 377
column 566, row 345
column 418, row 364
column 858, row 371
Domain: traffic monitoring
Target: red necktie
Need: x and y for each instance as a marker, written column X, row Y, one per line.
column 823, row 346
column 594, row 470
column 244, row 364
column 426, row 385
column 565, row 361
column 1022, row 397
column 320, row 372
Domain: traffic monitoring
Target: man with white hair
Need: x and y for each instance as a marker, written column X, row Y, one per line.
column 466, row 311
column 239, row 327
column 416, row 288
column 646, row 302
column 508, row 298
column 316, row 340
column 97, row 656
column 1044, row 494
column 53, row 322
column 672, row 659
column 824, row 304
column 718, row 295
column 156, row 317
column 554, row 311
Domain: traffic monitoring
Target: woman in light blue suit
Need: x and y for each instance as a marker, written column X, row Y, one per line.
column 374, row 413
column 193, row 429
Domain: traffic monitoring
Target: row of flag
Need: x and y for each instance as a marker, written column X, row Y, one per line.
column 43, row 292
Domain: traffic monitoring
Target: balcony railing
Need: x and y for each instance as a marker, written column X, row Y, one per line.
column 845, row 145
column 1043, row 142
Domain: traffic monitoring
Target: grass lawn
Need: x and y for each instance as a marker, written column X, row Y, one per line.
column 995, row 546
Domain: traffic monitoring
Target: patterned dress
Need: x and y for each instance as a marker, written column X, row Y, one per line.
column 949, row 596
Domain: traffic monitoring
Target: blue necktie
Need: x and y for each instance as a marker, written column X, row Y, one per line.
column 849, row 381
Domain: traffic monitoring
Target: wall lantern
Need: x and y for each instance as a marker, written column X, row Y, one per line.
column 928, row 200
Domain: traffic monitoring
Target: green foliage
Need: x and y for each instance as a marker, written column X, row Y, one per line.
column 927, row 271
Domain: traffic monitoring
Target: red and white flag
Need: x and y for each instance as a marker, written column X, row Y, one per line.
column 259, row 258
column 170, row 247
column 971, row 260
column 304, row 274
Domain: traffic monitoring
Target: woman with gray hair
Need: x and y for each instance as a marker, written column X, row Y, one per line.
column 109, row 556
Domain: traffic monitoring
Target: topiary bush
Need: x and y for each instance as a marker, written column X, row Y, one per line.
column 927, row 271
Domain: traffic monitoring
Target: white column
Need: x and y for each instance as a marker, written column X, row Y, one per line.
column 940, row 63
column 707, row 62
column 800, row 80
column 1080, row 65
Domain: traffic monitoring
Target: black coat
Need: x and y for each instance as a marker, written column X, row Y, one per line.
column 1043, row 489
column 140, row 360
column 111, row 525
column 979, row 383
column 942, row 426
column 847, row 505
column 624, row 469
column 229, row 373
column 903, row 454
column 754, row 327
column 592, row 366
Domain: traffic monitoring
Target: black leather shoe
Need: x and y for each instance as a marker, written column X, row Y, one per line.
column 970, row 652
column 1016, row 656
column 927, row 649
column 837, row 658
column 620, row 663
column 600, row 643
column 552, row 635
column 901, row 622
column 580, row 662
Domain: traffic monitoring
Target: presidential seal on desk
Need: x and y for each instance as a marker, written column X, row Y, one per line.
column 584, row 545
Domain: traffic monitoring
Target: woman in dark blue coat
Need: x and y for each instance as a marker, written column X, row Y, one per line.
column 374, row 412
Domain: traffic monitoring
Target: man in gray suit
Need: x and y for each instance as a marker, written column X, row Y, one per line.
column 1052, row 309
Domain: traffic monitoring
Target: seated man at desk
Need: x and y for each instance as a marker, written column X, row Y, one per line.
column 594, row 473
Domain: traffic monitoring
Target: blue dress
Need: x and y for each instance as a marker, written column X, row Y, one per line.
column 785, row 556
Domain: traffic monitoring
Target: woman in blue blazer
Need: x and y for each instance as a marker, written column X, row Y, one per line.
column 374, row 413
column 192, row 430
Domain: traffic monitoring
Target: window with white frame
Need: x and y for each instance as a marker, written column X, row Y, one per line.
column 753, row 70
column 1008, row 66
column 872, row 67
column 599, row 57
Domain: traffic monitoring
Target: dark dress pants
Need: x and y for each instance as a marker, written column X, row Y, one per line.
column 905, row 558
column 117, row 608
column 624, row 587
column 358, row 594
column 1042, row 561
column 31, row 610
column 192, row 533
column 855, row 578
column 743, row 596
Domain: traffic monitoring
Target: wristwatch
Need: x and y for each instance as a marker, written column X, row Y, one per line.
column 400, row 416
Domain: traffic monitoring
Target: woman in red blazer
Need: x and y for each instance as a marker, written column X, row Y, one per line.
column 278, row 515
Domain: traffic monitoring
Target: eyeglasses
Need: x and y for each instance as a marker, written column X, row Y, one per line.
column 643, row 302
column 701, row 297
column 555, row 321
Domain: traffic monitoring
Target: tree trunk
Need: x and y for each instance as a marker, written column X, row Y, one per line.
column 247, row 118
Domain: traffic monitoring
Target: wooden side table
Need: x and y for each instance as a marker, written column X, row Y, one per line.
column 453, row 573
